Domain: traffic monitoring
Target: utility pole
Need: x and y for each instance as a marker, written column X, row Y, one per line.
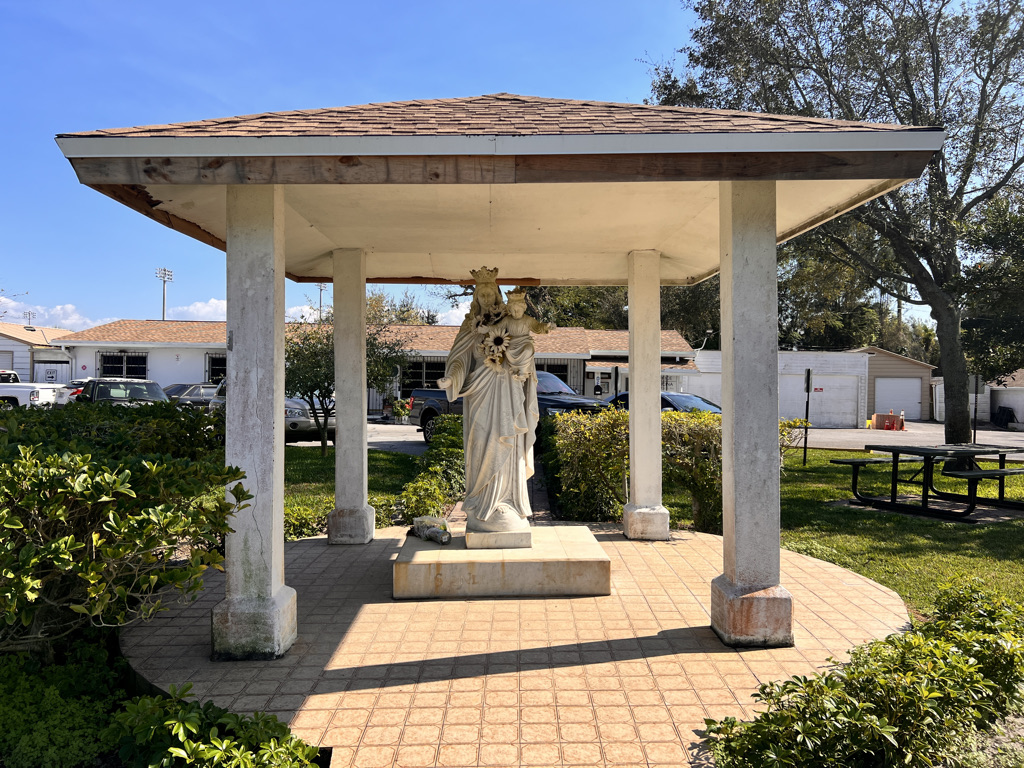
column 167, row 276
column 322, row 287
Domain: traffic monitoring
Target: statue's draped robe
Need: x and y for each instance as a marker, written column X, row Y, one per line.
column 500, row 417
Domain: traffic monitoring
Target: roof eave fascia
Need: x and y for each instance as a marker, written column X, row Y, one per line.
column 146, row 344
column 567, row 144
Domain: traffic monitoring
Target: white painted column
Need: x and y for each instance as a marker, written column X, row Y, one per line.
column 644, row 517
column 257, row 619
column 352, row 521
column 748, row 606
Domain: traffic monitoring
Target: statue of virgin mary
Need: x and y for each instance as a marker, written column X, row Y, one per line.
column 491, row 367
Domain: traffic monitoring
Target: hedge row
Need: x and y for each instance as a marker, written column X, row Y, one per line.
column 586, row 459
column 913, row 699
column 442, row 481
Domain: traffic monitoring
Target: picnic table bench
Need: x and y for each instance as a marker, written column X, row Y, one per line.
column 929, row 455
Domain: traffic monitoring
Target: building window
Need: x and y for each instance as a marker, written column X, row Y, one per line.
column 216, row 367
column 420, row 373
column 123, row 365
column 561, row 370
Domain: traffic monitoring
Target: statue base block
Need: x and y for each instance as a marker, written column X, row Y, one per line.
column 499, row 539
column 565, row 560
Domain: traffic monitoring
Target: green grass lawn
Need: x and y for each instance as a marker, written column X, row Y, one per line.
column 911, row 555
column 309, row 485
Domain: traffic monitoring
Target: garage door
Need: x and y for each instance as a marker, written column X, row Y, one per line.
column 833, row 401
column 898, row 394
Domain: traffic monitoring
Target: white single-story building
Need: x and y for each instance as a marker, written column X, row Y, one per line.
column 581, row 357
column 166, row 351
column 27, row 350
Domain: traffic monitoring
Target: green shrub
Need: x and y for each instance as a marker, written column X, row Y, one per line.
column 85, row 543
column 912, row 699
column 442, row 481
column 587, row 461
column 168, row 731
column 114, row 434
column 691, row 445
column 425, row 496
column 53, row 715
column 302, row 521
column 592, row 463
column 447, row 432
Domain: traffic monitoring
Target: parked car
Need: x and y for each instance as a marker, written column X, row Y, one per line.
column 121, row 391
column 553, row 396
column 70, row 392
column 192, row 395
column 15, row 393
column 298, row 421
column 671, row 401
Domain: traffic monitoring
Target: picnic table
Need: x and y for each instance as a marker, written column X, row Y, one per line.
column 928, row 456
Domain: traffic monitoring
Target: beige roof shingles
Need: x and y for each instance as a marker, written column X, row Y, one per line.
column 496, row 114
column 40, row 335
column 423, row 338
column 212, row 332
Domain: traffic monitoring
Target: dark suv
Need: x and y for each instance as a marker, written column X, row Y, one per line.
column 121, row 391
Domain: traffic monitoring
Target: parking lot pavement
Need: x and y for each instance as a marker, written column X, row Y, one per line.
column 916, row 433
column 400, row 438
column 405, row 438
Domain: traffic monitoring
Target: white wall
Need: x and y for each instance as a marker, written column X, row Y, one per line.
column 1009, row 397
column 840, row 380
column 165, row 365
column 984, row 402
column 21, row 355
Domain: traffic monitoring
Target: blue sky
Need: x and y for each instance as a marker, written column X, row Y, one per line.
column 78, row 259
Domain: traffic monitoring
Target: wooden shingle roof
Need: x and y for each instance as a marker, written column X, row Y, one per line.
column 496, row 114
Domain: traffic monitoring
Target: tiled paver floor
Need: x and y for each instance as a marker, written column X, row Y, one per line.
column 609, row 681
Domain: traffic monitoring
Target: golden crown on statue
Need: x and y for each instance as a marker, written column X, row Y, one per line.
column 485, row 274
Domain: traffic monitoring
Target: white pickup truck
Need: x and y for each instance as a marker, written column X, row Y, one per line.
column 14, row 393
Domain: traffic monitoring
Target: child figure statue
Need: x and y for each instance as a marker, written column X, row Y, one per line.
column 519, row 325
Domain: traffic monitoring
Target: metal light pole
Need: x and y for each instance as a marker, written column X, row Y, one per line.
column 322, row 287
column 167, row 276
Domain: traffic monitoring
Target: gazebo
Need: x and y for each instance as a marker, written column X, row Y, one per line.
column 550, row 191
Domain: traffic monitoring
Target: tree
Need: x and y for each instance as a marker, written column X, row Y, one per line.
column 309, row 367
column 384, row 309
column 994, row 335
column 309, row 362
column 914, row 62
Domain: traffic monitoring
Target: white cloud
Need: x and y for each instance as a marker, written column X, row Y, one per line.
column 61, row 316
column 213, row 309
column 456, row 315
column 300, row 312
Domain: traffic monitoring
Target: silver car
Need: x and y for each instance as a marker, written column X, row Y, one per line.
column 298, row 421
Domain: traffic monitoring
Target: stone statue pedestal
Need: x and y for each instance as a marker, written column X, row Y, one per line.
column 499, row 539
column 565, row 560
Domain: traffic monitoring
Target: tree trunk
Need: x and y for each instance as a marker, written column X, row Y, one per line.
column 954, row 374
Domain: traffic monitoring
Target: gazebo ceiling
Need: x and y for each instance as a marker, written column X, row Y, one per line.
column 553, row 191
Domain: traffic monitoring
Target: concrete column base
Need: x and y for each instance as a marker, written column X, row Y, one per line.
column 646, row 523
column 751, row 616
column 250, row 628
column 351, row 526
